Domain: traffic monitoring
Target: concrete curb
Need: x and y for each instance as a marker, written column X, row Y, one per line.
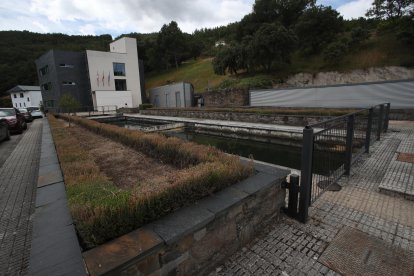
column 55, row 248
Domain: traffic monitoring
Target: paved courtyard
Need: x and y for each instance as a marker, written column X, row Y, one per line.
column 375, row 200
column 18, row 179
column 291, row 248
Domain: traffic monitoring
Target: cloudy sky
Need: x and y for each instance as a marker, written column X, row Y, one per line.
column 117, row 17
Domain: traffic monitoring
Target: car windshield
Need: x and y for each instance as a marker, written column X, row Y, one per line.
column 4, row 112
column 23, row 110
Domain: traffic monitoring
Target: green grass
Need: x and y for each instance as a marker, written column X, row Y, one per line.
column 378, row 51
column 199, row 72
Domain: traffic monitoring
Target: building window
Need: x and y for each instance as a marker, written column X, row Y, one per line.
column 44, row 70
column 64, row 65
column 28, row 99
column 119, row 69
column 47, row 86
column 15, row 96
column 21, row 95
column 120, row 85
column 68, row 83
column 24, row 104
column 15, row 104
column 20, row 104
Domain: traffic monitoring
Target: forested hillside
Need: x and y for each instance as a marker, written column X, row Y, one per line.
column 277, row 39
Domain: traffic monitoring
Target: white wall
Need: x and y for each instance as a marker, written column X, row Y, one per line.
column 101, row 71
column 35, row 98
column 118, row 98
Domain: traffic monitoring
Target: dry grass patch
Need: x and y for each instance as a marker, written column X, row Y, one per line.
column 118, row 183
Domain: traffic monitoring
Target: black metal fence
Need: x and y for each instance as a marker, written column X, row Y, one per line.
column 330, row 148
column 89, row 110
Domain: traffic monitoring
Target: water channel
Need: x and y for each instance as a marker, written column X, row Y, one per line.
column 283, row 155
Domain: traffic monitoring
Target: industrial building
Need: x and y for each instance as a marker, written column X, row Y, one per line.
column 94, row 78
column 179, row 94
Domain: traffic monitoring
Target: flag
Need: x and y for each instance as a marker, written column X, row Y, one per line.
column 97, row 78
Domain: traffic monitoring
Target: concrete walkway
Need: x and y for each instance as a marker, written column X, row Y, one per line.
column 291, row 248
column 18, row 179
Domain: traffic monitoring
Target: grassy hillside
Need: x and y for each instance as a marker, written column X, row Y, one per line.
column 378, row 51
column 199, row 72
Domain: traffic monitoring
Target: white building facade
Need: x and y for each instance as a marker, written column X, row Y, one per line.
column 114, row 75
column 23, row 96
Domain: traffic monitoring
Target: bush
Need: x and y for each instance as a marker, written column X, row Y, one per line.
column 145, row 106
column 102, row 211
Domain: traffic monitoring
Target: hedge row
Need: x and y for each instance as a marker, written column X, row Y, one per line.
column 102, row 211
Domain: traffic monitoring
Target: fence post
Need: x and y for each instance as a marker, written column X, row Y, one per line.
column 306, row 175
column 349, row 140
column 387, row 117
column 369, row 129
column 293, row 195
column 380, row 122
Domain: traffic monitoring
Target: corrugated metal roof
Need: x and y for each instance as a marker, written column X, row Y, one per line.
column 19, row 88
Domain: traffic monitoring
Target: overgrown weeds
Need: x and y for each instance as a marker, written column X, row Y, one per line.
column 103, row 211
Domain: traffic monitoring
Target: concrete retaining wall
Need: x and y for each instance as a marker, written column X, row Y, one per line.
column 291, row 120
column 195, row 240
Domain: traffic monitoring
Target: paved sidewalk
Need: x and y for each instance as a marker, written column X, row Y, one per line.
column 291, row 248
column 18, row 179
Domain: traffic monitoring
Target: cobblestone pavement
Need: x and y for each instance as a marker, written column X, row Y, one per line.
column 18, row 179
column 291, row 248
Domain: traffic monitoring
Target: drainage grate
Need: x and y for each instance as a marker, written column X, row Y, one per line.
column 353, row 252
column 406, row 157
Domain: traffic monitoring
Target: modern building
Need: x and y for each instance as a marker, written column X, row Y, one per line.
column 179, row 94
column 25, row 96
column 94, row 78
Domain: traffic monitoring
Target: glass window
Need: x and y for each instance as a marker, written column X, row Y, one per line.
column 44, row 70
column 120, row 85
column 119, row 69
column 15, row 95
column 28, row 99
column 24, row 104
column 66, row 65
column 68, row 83
column 47, row 86
column 21, row 95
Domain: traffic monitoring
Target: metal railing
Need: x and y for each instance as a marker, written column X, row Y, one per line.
column 329, row 150
column 89, row 110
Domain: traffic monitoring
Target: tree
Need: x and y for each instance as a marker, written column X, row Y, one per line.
column 272, row 44
column 68, row 103
column 390, row 9
column 285, row 11
column 171, row 42
column 317, row 27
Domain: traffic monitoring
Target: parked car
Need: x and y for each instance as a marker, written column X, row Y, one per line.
column 14, row 119
column 36, row 113
column 27, row 115
column 4, row 130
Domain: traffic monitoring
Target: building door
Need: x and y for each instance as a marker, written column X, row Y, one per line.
column 177, row 99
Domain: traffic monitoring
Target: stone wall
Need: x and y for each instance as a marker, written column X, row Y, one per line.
column 291, row 120
column 227, row 98
column 194, row 240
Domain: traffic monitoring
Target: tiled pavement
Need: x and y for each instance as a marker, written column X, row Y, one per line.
column 18, row 179
column 291, row 248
